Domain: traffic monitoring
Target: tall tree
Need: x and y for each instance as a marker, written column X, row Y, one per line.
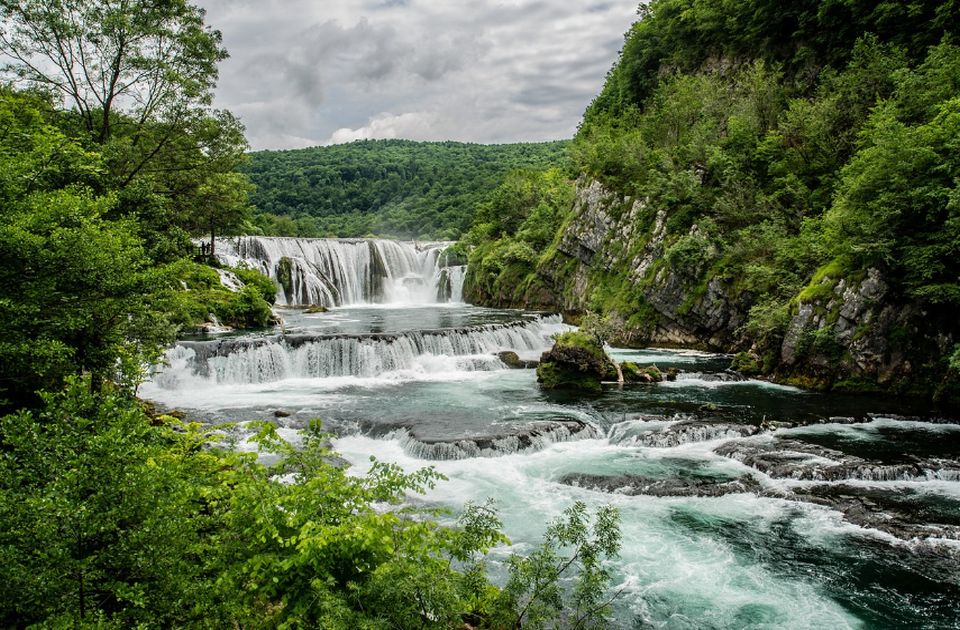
column 138, row 77
column 153, row 59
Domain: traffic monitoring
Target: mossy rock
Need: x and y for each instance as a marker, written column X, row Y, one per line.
column 576, row 362
column 633, row 373
column 285, row 276
column 512, row 360
column 315, row 308
column 552, row 375
column 747, row 364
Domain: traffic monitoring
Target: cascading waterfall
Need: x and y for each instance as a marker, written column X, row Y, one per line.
column 339, row 272
column 270, row 359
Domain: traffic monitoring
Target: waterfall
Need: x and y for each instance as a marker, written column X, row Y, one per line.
column 278, row 357
column 529, row 439
column 339, row 272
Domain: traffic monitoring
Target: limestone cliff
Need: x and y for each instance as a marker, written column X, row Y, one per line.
column 664, row 286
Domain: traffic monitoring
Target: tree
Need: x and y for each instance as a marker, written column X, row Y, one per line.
column 72, row 287
column 103, row 517
column 138, row 76
column 221, row 205
column 535, row 595
column 152, row 60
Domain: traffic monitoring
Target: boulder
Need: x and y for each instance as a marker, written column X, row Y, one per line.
column 315, row 308
column 633, row 373
column 576, row 362
column 514, row 362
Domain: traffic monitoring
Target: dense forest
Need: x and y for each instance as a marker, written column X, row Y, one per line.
column 398, row 188
column 113, row 514
column 778, row 180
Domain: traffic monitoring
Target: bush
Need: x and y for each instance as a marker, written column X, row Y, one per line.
column 191, row 293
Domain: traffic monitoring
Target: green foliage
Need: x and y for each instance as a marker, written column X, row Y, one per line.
column 316, row 551
column 264, row 285
column 103, row 516
column 193, row 294
column 954, row 360
column 602, row 328
column 513, row 231
column 80, row 290
column 138, row 77
column 72, row 293
column 804, row 37
column 109, row 518
column 746, row 364
column 387, row 187
column 535, row 594
column 897, row 204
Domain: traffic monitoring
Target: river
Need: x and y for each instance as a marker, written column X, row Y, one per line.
column 744, row 504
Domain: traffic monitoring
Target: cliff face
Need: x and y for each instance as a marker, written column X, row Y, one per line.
column 611, row 257
column 858, row 334
column 618, row 255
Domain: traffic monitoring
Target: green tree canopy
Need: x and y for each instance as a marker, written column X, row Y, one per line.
column 151, row 60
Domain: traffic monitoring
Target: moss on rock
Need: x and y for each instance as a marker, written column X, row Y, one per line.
column 576, row 362
column 633, row 373
column 285, row 276
column 747, row 364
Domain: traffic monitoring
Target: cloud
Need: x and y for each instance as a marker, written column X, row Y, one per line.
column 421, row 125
column 303, row 73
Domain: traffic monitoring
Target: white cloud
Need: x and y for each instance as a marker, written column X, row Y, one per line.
column 422, row 125
column 303, row 73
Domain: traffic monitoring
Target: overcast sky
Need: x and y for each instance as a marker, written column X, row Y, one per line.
column 308, row 72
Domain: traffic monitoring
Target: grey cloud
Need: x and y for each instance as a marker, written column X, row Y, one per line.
column 549, row 94
column 304, row 73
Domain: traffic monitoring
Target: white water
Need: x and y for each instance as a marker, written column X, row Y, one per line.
column 669, row 576
column 338, row 272
column 200, row 365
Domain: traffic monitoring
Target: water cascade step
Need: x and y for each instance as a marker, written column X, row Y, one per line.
column 274, row 358
column 339, row 272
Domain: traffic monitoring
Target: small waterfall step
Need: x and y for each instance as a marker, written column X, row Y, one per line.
column 337, row 272
column 272, row 358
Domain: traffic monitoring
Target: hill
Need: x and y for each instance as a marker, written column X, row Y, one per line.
column 394, row 188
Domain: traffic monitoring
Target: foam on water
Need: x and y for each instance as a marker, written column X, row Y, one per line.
column 696, row 379
column 663, row 567
column 868, row 431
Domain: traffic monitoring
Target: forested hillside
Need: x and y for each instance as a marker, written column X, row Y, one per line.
column 756, row 177
column 384, row 187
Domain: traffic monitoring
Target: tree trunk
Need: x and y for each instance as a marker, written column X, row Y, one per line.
column 212, row 239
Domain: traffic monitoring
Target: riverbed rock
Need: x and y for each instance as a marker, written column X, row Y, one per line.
column 526, row 438
column 576, row 362
column 513, row 361
column 633, row 373
column 315, row 308
column 633, row 485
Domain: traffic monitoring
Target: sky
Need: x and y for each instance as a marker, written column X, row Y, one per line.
column 305, row 73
